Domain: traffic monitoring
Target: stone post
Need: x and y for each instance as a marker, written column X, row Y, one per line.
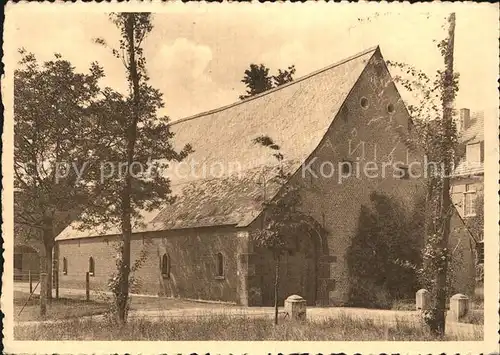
column 422, row 300
column 295, row 308
column 87, row 286
column 459, row 306
column 43, row 294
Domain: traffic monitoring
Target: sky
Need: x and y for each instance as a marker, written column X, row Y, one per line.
column 197, row 53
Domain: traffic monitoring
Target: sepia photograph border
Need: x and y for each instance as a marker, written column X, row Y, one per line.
column 491, row 200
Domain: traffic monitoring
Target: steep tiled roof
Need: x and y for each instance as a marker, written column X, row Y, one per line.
column 475, row 132
column 296, row 116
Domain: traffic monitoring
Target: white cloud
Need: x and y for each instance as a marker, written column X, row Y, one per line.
column 180, row 72
column 186, row 56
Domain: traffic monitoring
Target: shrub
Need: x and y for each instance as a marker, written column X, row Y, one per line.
column 385, row 253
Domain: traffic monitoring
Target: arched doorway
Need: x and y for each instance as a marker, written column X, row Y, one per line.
column 299, row 267
column 26, row 262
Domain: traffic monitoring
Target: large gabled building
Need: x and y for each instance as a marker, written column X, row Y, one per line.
column 328, row 124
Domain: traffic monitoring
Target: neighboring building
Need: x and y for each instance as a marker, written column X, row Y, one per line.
column 468, row 179
column 26, row 255
column 345, row 115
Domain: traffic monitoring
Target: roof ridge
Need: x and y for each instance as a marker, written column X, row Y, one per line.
column 302, row 78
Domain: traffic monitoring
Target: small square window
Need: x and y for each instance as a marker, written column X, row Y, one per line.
column 403, row 173
column 346, row 167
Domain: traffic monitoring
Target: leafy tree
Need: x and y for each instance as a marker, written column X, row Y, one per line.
column 257, row 79
column 436, row 133
column 282, row 218
column 476, row 222
column 475, row 225
column 284, row 76
column 384, row 254
column 51, row 108
column 129, row 131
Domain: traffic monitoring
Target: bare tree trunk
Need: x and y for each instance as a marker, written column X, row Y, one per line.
column 48, row 245
column 445, row 208
column 49, row 268
column 276, row 288
column 126, row 224
column 43, row 293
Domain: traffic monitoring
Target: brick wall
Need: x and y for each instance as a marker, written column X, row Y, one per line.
column 376, row 134
column 192, row 263
column 368, row 135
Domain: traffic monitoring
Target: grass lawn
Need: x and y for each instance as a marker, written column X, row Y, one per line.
column 62, row 308
column 76, row 306
column 233, row 327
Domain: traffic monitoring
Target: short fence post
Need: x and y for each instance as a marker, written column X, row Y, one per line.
column 87, row 286
column 56, row 275
column 30, row 280
column 43, row 294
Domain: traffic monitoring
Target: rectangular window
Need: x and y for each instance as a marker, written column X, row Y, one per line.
column 219, row 266
column 65, row 266
column 346, row 167
column 470, row 200
column 473, row 153
column 480, row 253
column 403, row 173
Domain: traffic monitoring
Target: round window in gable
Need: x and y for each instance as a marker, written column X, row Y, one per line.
column 364, row 102
column 390, row 108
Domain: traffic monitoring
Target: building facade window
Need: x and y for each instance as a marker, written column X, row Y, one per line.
column 403, row 173
column 219, row 270
column 364, row 102
column 346, row 167
column 165, row 266
column 91, row 266
column 480, row 252
column 469, row 200
column 473, row 153
column 65, row 266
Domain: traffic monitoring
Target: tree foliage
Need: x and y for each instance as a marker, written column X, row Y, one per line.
column 476, row 222
column 51, row 108
column 282, row 219
column 130, row 131
column 257, row 79
column 436, row 133
column 385, row 253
